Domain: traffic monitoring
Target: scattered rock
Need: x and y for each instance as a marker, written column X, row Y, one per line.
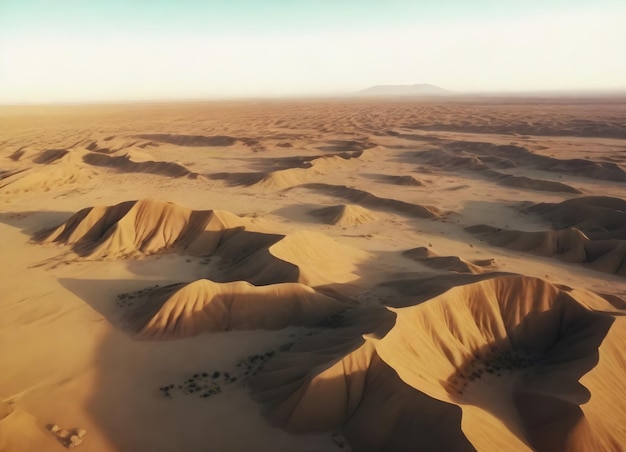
column 75, row 441
column 69, row 439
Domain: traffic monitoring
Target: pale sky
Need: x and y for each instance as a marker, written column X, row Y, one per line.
column 109, row 50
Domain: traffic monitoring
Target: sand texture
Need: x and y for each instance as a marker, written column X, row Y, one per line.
column 322, row 275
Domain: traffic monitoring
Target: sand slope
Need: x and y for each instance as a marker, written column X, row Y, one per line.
column 449, row 263
column 146, row 226
column 494, row 348
column 204, row 306
column 366, row 199
column 344, row 215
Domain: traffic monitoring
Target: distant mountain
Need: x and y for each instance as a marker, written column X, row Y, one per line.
column 419, row 89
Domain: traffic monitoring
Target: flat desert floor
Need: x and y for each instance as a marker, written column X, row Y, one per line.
column 315, row 275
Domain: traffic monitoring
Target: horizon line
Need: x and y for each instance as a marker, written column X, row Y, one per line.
column 354, row 95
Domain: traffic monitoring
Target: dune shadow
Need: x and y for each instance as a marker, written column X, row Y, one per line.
column 128, row 397
column 124, row 164
column 31, row 222
column 102, row 295
column 599, row 217
column 367, row 199
column 239, row 178
column 190, row 140
column 568, row 245
column 300, row 212
column 419, row 419
column 336, row 381
column 406, row 180
column 546, row 354
column 413, row 291
column 346, row 145
column 487, row 167
column 50, row 156
column 572, row 127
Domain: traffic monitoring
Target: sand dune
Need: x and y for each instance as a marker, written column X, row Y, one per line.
column 114, row 144
column 298, row 172
column 318, row 260
column 404, row 180
column 494, row 348
column 542, row 122
column 347, row 145
column 189, row 140
column 521, row 156
column 530, row 183
column 185, row 310
column 148, row 226
column 300, row 284
column 366, row 199
column 449, row 263
column 294, row 171
column 53, row 168
column 30, row 181
column 599, row 217
column 50, row 155
column 17, row 154
column 344, row 215
column 568, row 245
column 482, row 166
column 145, row 226
column 125, row 164
column 279, row 180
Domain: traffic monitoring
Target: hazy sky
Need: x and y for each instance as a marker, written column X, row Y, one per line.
column 89, row 50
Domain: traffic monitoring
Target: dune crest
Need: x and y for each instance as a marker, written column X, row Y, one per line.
column 186, row 310
column 145, row 226
column 449, row 263
column 126, row 164
column 189, row 140
column 344, row 215
column 367, row 199
column 408, row 181
column 52, row 169
column 311, row 170
column 148, row 226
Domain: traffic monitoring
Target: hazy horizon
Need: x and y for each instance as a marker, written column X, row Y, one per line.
column 108, row 51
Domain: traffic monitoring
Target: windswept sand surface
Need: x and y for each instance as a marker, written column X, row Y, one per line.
column 314, row 276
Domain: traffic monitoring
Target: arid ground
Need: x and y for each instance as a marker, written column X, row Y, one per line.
column 315, row 275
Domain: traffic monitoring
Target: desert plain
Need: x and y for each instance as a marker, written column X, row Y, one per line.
column 314, row 275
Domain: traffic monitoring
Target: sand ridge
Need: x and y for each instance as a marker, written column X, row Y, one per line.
column 569, row 245
column 344, row 215
column 511, row 349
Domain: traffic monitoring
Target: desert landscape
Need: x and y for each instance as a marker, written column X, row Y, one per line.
column 314, row 275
